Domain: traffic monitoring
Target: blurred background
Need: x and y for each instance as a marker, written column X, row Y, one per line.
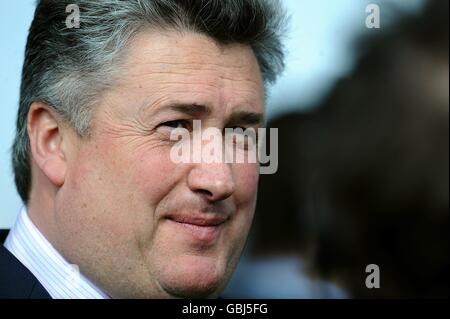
column 362, row 118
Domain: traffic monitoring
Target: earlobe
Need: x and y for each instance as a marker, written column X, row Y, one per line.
column 46, row 142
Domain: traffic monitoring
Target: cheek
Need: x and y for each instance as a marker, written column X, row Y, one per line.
column 120, row 185
column 140, row 171
column 246, row 186
column 110, row 199
column 246, row 182
column 154, row 174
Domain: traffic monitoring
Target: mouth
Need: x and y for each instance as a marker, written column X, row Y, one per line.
column 202, row 229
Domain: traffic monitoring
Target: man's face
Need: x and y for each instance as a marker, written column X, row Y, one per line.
column 135, row 222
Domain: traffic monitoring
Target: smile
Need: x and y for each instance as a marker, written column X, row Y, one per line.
column 200, row 228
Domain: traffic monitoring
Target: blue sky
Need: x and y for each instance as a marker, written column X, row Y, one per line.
column 319, row 45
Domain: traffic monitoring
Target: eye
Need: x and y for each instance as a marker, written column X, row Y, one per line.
column 244, row 138
column 176, row 124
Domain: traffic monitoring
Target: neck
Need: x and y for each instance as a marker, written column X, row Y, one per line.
column 41, row 211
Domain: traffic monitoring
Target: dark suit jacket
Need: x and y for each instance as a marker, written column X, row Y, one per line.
column 16, row 281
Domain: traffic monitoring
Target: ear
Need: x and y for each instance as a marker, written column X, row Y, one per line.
column 46, row 142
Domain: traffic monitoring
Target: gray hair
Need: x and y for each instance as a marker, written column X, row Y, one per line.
column 67, row 68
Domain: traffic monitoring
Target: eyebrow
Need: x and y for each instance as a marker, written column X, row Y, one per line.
column 191, row 109
column 238, row 117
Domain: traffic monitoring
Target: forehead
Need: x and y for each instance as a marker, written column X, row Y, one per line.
column 192, row 68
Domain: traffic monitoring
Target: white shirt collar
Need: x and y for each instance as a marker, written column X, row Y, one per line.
column 61, row 279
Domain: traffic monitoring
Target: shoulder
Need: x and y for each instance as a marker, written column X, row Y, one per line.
column 16, row 281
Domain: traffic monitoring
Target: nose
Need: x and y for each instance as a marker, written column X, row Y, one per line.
column 214, row 181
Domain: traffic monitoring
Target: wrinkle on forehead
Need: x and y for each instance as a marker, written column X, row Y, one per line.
column 191, row 68
column 169, row 43
column 161, row 52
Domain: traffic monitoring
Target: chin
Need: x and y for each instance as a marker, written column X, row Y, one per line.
column 194, row 277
